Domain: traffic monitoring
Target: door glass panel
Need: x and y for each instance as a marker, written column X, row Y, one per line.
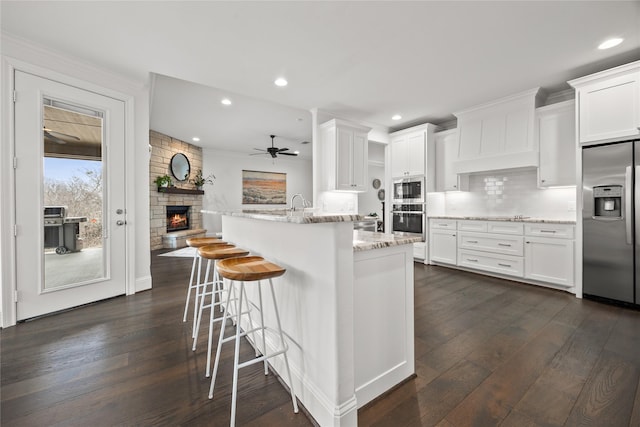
column 72, row 196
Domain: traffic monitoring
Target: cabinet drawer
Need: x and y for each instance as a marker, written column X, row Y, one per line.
column 472, row 226
column 445, row 224
column 508, row 245
column 505, row 227
column 419, row 250
column 558, row 231
column 503, row 264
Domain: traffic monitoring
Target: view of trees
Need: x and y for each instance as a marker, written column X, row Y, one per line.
column 82, row 195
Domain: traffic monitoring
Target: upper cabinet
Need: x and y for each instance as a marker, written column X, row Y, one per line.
column 498, row 135
column 556, row 135
column 413, row 153
column 609, row 104
column 345, row 149
column 447, row 179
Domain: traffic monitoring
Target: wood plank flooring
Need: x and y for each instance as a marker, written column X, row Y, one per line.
column 488, row 352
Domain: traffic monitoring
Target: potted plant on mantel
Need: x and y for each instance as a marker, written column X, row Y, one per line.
column 198, row 180
column 163, row 181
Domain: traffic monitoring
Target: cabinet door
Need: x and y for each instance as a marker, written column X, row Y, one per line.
column 556, row 139
column 359, row 162
column 415, row 153
column 443, row 246
column 549, row 260
column 344, row 167
column 399, row 157
column 610, row 108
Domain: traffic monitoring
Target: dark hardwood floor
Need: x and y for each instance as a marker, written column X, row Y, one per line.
column 488, row 352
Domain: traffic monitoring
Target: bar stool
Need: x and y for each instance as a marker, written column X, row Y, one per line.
column 214, row 253
column 196, row 242
column 250, row 269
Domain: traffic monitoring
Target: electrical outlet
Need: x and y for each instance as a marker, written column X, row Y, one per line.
column 571, row 206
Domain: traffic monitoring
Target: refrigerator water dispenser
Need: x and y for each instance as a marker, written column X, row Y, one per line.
column 607, row 201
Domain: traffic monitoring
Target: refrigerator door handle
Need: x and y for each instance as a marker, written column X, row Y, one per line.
column 628, row 222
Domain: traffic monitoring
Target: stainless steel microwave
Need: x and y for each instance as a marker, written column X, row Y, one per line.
column 409, row 190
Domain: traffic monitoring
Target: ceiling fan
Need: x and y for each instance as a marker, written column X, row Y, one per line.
column 274, row 151
column 56, row 137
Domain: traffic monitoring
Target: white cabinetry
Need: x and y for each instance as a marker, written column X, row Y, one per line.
column 413, row 154
column 447, row 179
column 550, row 259
column 498, row 135
column 344, row 155
column 555, row 131
column 609, row 104
column 442, row 241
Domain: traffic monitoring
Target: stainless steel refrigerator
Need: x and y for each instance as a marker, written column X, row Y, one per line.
column 610, row 189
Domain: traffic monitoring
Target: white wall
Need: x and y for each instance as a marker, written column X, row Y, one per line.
column 226, row 193
column 509, row 193
column 58, row 66
column 368, row 201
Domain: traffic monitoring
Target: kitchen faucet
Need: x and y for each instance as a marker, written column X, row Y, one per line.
column 305, row 203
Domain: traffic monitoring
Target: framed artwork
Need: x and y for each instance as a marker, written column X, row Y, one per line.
column 264, row 188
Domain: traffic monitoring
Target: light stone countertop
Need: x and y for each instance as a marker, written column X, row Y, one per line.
column 306, row 216
column 507, row 218
column 367, row 240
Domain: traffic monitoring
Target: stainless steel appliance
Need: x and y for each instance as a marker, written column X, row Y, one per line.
column 60, row 231
column 611, row 234
column 366, row 225
column 409, row 190
column 409, row 219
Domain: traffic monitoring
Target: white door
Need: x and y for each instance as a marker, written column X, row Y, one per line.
column 69, row 148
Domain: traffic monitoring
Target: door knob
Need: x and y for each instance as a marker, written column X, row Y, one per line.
column 120, row 222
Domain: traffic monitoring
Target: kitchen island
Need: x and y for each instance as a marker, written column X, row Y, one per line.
column 346, row 305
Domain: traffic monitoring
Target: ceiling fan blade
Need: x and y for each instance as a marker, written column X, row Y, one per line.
column 258, row 154
column 60, row 134
column 260, row 149
column 280, row 150
column 288, row 154
column 52, row 138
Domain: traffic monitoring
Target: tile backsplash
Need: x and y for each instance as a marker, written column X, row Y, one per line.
column 514, row 192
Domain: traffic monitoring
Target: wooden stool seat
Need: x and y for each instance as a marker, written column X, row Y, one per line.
column 249, row 269
column 196, row 242
column 219, row 252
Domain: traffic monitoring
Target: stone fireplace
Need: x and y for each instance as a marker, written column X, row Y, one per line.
column 163, row 147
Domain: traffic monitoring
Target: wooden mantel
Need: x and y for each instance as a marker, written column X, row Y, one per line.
column 176, row 190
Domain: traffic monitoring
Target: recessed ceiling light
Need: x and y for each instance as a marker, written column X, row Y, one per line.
column 195, row 139
column 281, row 82
column 396, row 117
column 607, row 44
column 226, row 101
column 296, row 152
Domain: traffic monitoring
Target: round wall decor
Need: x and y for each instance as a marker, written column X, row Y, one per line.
column 376, row 183
column 381, row 194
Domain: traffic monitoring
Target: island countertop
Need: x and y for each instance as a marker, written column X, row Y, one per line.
column 367, row 240
column 285, row 215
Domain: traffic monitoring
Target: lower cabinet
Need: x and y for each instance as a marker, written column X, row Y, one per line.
column 549, row 260
column 540, row 252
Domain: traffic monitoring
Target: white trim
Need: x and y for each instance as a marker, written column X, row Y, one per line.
column 142, row 283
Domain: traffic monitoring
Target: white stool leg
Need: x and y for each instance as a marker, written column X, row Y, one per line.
column 236, row 356
column 186, row 304
column 286, row 359
column 203, row 293
column 264, row 341
column 223, row 325
column 195, row 306
column 219, row 292
column 253, row 334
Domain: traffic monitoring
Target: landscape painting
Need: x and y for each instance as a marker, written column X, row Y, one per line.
column 264, row 188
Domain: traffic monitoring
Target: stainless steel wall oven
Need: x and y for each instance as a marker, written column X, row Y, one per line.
column 409, row 219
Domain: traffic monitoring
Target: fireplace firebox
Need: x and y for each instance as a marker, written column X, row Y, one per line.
column 177, row 218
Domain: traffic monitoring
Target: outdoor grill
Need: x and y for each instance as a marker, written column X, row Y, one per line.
column 62, row 232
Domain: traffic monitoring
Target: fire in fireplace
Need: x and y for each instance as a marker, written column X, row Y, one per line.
column 177, row 218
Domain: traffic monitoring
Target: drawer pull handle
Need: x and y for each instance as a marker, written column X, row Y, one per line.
column 444, row 225
column 472, row 241
column 472, row 260
column 504, row 265
column 504, row 244
column 547, row 231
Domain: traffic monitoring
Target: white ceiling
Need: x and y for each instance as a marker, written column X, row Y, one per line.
column 358, row 60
